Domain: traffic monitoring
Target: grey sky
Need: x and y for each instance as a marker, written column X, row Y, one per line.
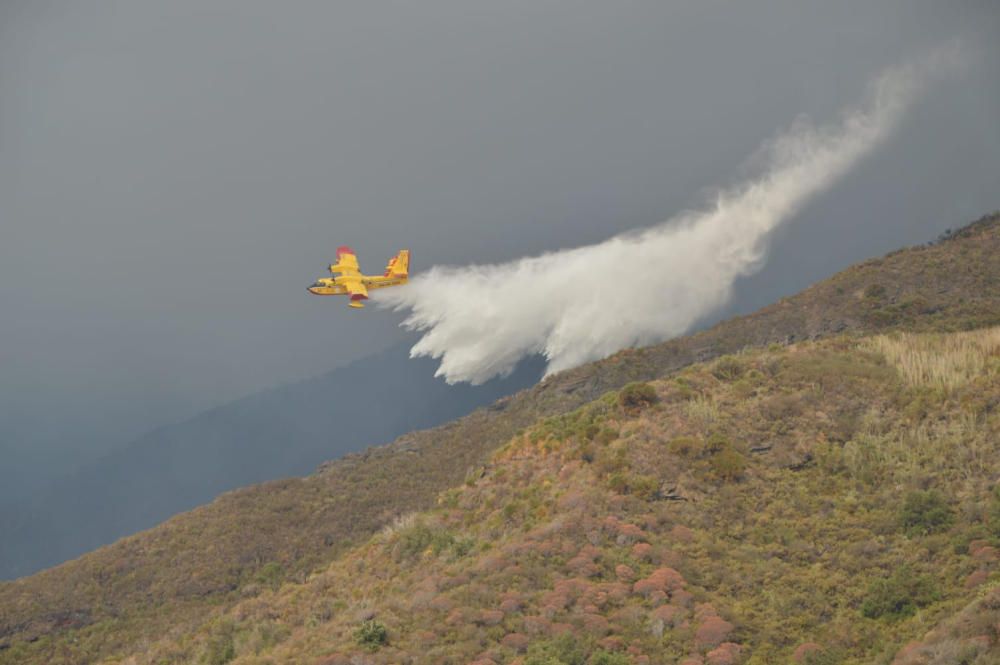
column 173, row 174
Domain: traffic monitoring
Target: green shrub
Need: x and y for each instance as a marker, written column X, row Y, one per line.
column 685, row 446
column 899, row 596
column 618, row 482
column 925, row 512
column 824, row 657
column 644, row 487
column 874, row 291
column 717, row 443
column 221, row 648
column 271, row 574
column 566, row 649
column 727, row 465
column 371, row 635
column 421, row 537
column 637, row 395
column 603, row 657
column 728, row 368
column 993, row 521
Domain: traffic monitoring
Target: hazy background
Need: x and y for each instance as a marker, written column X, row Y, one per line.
column 174, row 174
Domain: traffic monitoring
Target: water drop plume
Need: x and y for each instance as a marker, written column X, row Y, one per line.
column 585, row 303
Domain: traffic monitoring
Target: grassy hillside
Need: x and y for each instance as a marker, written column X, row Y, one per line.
column 825, row 502
column 249, row 543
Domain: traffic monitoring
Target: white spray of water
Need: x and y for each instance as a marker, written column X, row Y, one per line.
column 581, row 304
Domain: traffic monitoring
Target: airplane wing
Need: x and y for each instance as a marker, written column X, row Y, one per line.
column 354, row 286
column 347, row 262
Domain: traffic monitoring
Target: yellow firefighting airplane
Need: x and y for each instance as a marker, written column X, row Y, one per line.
column 349, row 280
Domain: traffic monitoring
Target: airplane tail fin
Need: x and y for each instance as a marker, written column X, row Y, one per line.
column 399, row 265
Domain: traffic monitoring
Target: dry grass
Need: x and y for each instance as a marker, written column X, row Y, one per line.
column 702, row 411
column 941, row 361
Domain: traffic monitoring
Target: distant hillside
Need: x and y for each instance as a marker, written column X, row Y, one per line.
column 170, row 578
column 285, row 431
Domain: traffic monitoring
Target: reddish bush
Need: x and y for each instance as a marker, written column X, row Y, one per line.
column 670, row 615
column 571, row 587
column 616, row 591
column 668, row 557
column 536, row 625
column 681, row 534
column 976, row 578
column 489, row 617
column 976, row 544
column 642, row 552
column 681, row 598
column 547, row 548
column 458, row 617
column 630, row 533
column 557, row 629
column 804, row 650
column 492, row 564
column 912, row 653
column 726, row 653
column 704, row 610
column 595, row 624
column 583, row 563
column 441, row 603
column 692, row 660
column 515, row 641
column 613, row 643
column 985, row 554
column 712, row 632
column 665, row 580
column 511, row 602
column 624, row 573
column 583, row 567
column 644, row 587
column 983, row 642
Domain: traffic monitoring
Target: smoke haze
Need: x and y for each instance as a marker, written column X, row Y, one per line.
column 578, row 305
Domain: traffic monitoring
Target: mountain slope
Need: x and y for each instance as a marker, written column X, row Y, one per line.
column 168, row 578
column 828, row 497
column 281, row 432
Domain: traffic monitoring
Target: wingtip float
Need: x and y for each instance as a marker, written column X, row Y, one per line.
column 347, row 278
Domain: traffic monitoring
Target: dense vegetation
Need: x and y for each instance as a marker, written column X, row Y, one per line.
column 861, row 516
column 753, row 508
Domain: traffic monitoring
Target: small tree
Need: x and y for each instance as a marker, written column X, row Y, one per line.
column 727, row 465
column 925, row 512
column 603, row 657
column 371, row 635
column 899, row 596
column 637, row 395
